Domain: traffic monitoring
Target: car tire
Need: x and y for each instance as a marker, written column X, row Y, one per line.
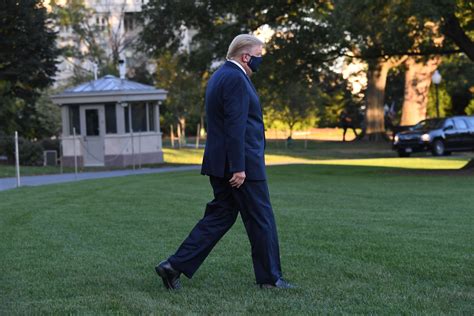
column 438, row 148
column 402, row 153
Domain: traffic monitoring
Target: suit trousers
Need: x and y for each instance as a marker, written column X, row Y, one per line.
column 253, row 201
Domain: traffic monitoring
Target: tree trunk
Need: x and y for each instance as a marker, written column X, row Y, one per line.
column 417, row 86
column 374, row 115
column 203, row 128
column 182, row 124
column 291, row 126
column 375, row 95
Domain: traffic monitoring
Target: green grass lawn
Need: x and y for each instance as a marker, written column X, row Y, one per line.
column 355, row 239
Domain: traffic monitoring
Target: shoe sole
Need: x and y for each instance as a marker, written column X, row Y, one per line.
column 162, row 273
column 273, row 287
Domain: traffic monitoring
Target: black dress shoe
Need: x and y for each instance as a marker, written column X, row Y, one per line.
column 169, row 275
column 279, row 284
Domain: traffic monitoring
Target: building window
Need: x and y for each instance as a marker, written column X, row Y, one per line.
column 101, row 22
column 143, row 119
column 129, row 21
column 127, row 118
column 139, row 117
column 92, row 122
column 74, row 120
column 151, row 117
column 110, row 119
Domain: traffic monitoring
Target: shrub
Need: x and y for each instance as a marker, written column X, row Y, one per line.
column 50, row 144
column 31, row 153
column 7, row 148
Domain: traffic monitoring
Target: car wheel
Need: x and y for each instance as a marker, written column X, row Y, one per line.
column 402, row 153
column 438, row 148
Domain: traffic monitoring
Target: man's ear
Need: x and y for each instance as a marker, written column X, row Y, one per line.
column 245, row 58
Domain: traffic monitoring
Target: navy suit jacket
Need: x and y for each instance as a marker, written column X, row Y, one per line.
column 235, row 132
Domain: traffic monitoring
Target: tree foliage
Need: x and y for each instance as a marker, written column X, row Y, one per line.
column 200, row 32
column 185, row 90
column 27, row 63
column 389, row 33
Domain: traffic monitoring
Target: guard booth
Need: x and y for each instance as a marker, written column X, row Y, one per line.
column 111, row 122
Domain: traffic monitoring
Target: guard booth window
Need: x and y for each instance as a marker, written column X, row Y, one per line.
column 151, row 117
column 74, row 120
column 139, row 117
column 142, row 117
column 110, row 119
column 92, row 122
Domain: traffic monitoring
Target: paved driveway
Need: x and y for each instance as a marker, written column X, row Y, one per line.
column 10, row 183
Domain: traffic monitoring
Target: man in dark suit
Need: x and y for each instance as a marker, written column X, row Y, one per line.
column 234, row 162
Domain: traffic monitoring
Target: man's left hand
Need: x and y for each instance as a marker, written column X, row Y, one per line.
column 237, row 179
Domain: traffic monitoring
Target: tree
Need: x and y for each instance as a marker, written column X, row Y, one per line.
column 417, row 86
column 49, row 114
column 381, row 33
column 451, row 25
column 445, row 103
column 198, row 33
column 458, row 77
column 457, row 19
column 456, row 87
column 27, row 63
column 386, row 34
column 294, row 104
column 185, row 89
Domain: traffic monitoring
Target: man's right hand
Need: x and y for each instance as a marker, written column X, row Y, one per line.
column 237, row 179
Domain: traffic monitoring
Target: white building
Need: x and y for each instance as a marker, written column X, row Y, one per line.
column 115, row 26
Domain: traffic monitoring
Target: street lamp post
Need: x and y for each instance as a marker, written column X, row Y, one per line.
column 436, row 79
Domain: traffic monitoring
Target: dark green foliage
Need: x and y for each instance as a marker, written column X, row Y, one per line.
column 51, row 144
column 27, row 63
column 27, row 50
column 458, row 78
column 31, row 152
column 374, row 29
column 294, row 56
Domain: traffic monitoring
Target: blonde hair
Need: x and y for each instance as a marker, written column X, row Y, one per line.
column 242, row 43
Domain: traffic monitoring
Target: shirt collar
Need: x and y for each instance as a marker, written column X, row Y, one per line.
column 238, row 65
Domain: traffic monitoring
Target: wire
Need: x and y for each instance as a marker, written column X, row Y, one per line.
column 104, row 160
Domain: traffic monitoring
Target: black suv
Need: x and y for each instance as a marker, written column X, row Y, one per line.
column 440, row 136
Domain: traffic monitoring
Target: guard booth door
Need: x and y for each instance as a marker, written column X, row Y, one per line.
column 93, row 131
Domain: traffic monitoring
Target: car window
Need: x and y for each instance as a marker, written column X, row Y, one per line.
column 428, row 124
column 459, row 123
column 449, row 123
column 470, row 120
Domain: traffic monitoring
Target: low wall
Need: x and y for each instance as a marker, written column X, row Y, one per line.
column 118, row 149
column 120, row 160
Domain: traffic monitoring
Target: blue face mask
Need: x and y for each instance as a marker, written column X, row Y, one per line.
column 255, row 62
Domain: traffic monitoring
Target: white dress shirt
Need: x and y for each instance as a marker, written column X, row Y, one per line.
column 239, row 65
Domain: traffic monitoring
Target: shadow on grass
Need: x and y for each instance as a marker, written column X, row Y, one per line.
column 341, row 169
column 329, row 149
